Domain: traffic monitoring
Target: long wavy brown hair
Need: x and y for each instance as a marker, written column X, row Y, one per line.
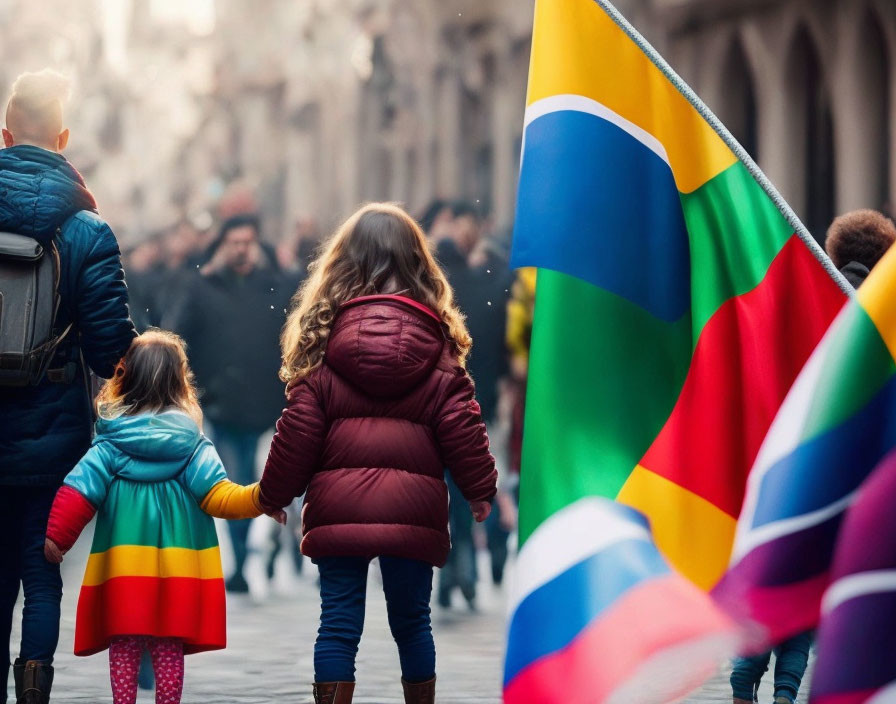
column 154, row 375
column 379, row 249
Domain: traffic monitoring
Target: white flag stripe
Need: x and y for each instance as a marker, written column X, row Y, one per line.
column 784, row 436
column 771, row 531
column 856, row 585
column 579, row 103
column 887, row 695
column 569, row 536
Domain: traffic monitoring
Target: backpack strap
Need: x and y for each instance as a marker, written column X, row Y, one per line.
column 65, row 374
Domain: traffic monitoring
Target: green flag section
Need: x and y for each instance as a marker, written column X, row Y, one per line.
column 677, row 300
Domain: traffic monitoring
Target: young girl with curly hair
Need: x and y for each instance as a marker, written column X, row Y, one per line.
column 379, row 406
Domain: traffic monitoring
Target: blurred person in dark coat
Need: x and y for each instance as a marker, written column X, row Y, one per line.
column 143, row 267
column 295, row 252
column 481, row 280
column 230, row 316
column 180, row 259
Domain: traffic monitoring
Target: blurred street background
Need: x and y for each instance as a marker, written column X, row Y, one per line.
column 321, row 104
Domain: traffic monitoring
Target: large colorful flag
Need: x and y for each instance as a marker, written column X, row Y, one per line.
column 856, row 642
column 837, row 424
column 600, row 616
column 678, row 298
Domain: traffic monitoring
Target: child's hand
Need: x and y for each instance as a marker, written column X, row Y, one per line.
column 52, row 552
column 279, row 516
column 481, row 510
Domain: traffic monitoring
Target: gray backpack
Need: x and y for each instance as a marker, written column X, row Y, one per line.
column 29, row 301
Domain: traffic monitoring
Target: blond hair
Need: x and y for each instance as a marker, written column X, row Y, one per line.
column 378, row 249
column 35, row 107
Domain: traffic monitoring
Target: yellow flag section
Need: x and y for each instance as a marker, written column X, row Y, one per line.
column 878, row 303
column 699, row 547
column 591, row 56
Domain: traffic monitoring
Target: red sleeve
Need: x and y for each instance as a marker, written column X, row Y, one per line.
column 70, row 513
column 295, row 449
column 463, row 441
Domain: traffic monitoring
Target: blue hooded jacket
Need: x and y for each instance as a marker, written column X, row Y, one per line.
column 45, row 429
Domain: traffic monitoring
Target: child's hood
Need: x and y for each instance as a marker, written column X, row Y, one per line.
column 160, row 444
column 385, row 345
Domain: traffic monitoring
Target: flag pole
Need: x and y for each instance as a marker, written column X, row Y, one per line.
column 730, row 141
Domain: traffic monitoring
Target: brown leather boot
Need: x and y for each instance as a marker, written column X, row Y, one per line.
column 420, row 693
column 37, row 680
column 333, row 692
column 742, row 701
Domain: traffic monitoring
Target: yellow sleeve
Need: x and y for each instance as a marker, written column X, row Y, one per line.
column 519, row 314
column 228, row 500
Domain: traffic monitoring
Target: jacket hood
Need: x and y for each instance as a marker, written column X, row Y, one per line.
column 160, row 444
column 385, row 345
column 855, row 273
column 39, row 190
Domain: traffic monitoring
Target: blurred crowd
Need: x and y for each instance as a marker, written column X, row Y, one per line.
column 225, row 284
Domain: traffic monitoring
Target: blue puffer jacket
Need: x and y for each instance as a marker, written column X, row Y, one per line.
column 45, row 429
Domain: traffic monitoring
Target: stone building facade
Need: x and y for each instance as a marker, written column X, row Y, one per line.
column 807, row 86
column 322, row 104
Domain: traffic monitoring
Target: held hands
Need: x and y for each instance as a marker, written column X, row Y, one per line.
column 52, row 552
column 279, row 516
column 481, row 510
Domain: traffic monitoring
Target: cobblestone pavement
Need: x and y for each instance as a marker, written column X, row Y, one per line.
column 269, row 653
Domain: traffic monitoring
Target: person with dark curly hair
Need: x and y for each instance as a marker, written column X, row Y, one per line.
column 857, row 240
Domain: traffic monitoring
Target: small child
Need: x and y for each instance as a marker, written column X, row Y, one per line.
column 153, row 579
column 379, row 405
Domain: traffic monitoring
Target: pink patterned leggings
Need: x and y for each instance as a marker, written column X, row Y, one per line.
column 167, row 662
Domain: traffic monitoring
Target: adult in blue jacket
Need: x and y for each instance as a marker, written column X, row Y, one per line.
column 45, row 429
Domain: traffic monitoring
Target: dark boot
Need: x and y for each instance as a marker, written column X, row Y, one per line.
column 420, row 693
column 36, row 683
column 333, row 692
column 18, row 674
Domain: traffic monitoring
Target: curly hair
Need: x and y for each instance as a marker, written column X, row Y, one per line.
column 861, row 236
column 378, row 249
column 153, row 376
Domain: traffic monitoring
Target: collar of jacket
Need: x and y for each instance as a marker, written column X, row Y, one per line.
column 40, row 190
column 387, row 297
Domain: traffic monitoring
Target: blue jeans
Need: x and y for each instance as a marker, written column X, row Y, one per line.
column 343, row 586
column 23, row 529
column 237, row 450
column 460, row 569
column 791, row 656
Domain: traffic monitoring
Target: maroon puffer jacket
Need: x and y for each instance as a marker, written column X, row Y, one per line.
column 368, row 435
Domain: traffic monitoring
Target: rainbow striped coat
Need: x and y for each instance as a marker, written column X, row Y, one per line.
column 154, row 569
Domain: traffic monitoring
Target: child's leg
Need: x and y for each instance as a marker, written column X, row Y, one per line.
column 343, row 585
column 790, row 666
column 408, row 587
column 168, row 663
column 124, row 661
column 747, row 674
